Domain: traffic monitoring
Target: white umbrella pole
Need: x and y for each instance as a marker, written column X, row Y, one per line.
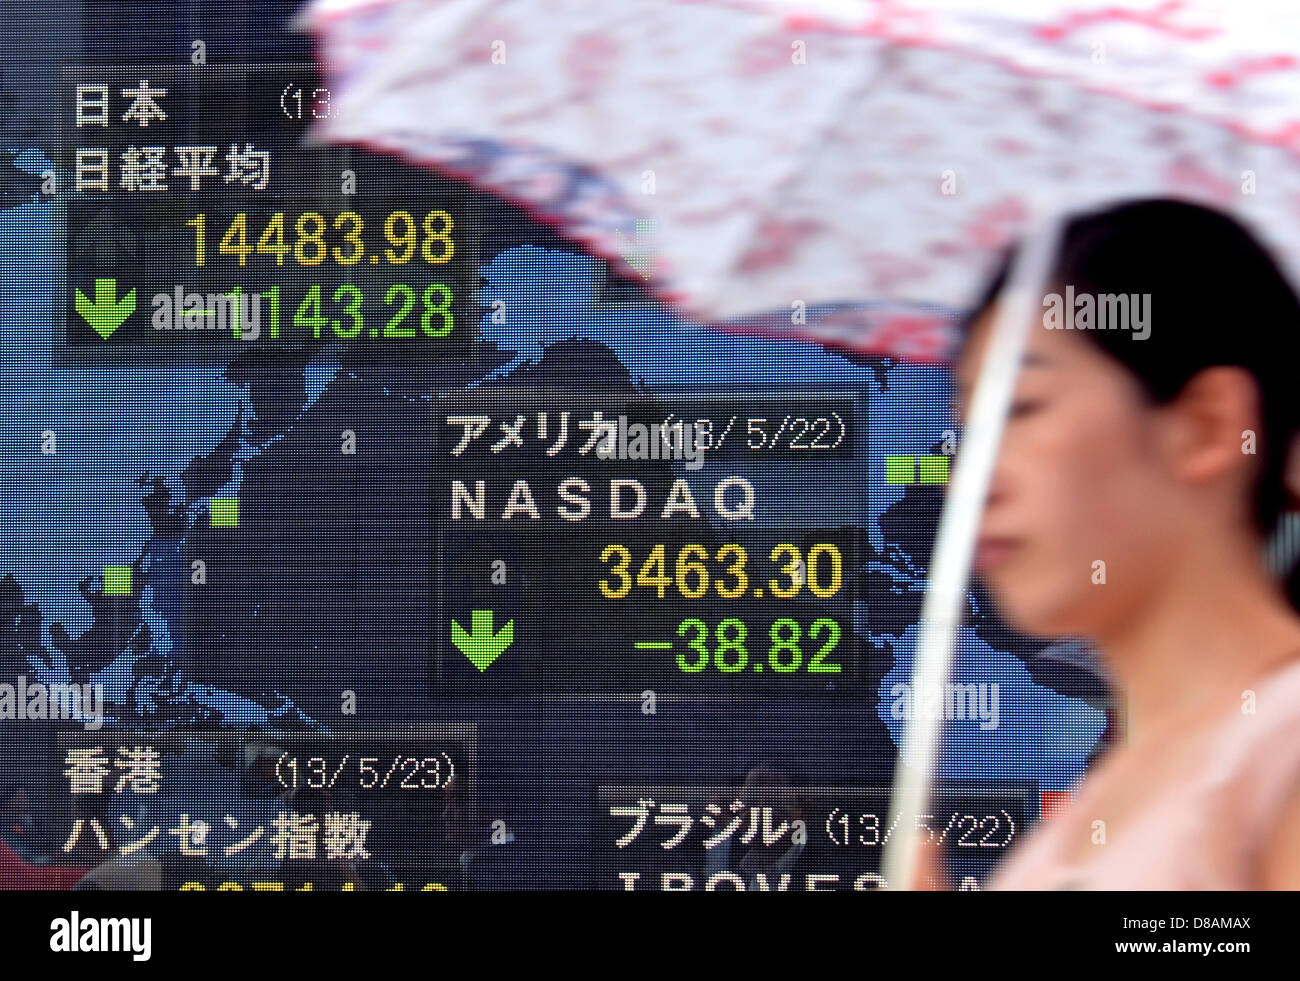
column 1019, row 306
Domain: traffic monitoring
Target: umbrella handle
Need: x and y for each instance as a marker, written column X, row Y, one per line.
column 1018, row 307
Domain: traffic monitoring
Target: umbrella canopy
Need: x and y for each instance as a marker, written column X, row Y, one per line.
column 756, row 160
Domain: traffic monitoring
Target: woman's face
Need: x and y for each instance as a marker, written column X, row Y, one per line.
column 1076, row 483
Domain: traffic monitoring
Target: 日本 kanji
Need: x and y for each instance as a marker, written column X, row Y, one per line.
column 92, row 105
column 144, row 107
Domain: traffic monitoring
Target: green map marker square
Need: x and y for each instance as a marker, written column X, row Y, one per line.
column 224, row 512
column 117, row 580
column 932, row 470
column 900, row 469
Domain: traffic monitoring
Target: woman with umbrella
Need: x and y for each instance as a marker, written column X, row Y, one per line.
column 1138, row 478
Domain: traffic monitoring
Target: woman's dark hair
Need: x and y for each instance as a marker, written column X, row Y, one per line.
column 1216, row 298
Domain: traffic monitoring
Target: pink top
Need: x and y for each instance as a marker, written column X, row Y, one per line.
column 1215, row 799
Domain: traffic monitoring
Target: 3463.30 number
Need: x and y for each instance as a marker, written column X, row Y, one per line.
column 820, row 571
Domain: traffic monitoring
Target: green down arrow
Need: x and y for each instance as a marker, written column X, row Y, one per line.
column 107, row 313
column 482, row 647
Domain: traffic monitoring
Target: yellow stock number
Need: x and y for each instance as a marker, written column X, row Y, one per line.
column 310, row 248
column 822, row 571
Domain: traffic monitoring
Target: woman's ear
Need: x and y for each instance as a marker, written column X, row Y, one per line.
column 1209, row 420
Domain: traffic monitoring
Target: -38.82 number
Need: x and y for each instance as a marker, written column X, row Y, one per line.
column 725, row 649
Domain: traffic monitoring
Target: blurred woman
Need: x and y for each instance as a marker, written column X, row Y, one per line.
column 1144, row 464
